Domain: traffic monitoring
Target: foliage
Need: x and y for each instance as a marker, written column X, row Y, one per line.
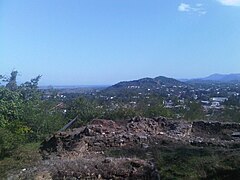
column 12, row 81
column 22, row 157
column 7, row 142
column 233, row 101
column 186, row 162
column 84, row 109
column 157, row 111
column 29, row 90
column 24, row 116
column 231, row 114
column 120, row 113
column 10, row 105
column 194, row 112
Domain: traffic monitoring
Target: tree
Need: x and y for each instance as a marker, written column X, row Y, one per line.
column 29, row 89
column 120, row 114
column 85, row 110
column 11, row 105
column 13, row 130
column 12, row 81
column 24, row 116
column 156, row 111
column 1, row 78
column 194, row 112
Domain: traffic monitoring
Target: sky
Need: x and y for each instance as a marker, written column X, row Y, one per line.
column 102, row 42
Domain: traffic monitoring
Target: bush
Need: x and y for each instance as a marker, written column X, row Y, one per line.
column 7, row 142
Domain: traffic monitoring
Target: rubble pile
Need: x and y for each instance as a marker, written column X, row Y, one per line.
column 80, row 152
column 101, row 134
column 223, row 131
column 204, row 133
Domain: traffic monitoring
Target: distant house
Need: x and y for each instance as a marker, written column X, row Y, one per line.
column 219, row 99
column 205, row 102
column 215, row 104
column 168, row 104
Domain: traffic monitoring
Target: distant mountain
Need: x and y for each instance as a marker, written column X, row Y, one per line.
column 146, row 83
column 214, row 77
column 221, row 78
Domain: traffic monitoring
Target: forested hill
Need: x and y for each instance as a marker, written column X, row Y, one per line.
column 146, row 83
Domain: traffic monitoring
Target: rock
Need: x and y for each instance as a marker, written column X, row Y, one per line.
column 107, row 160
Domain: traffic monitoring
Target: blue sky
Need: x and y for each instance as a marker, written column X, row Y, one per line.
column 86, row 42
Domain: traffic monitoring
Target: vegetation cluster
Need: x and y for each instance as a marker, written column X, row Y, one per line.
column 24, row 116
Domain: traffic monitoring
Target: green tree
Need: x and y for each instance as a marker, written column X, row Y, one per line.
column 156, row 111
column 194, row 111
column 12, row 130
column 42, row 119
column 84, row 109
column 11, row 105
column 12, row 81
column 120, row 114
column 24, row 116
column 29, row 89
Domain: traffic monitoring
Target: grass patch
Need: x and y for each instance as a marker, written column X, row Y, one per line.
column 23, row 157
column 187, row 162
column 176, row 161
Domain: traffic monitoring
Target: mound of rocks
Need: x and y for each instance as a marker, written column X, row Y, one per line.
column 100, row 135
column 80, row 153
column 218, row 134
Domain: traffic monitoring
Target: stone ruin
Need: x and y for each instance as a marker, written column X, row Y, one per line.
column 80, row 153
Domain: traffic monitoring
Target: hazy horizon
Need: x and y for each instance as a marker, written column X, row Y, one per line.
column 102, row 85
column 93, row 42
